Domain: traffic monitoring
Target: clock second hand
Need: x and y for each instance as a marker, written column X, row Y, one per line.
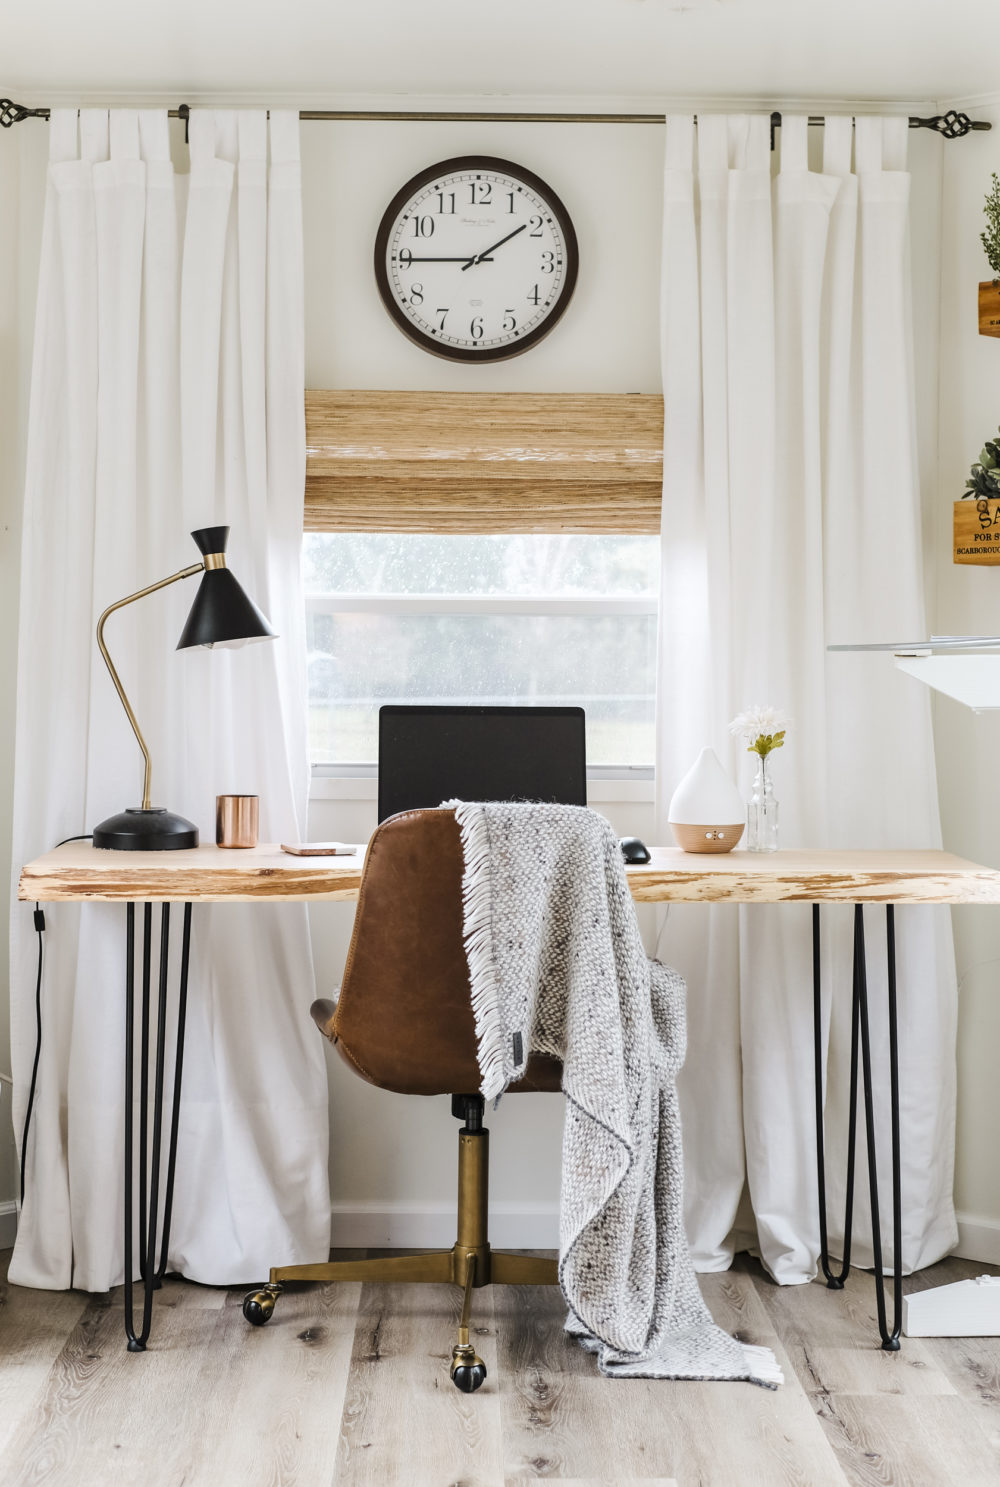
column 483, row 257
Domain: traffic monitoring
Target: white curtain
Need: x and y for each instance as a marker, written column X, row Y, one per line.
column 167, row 394
column 790, row 522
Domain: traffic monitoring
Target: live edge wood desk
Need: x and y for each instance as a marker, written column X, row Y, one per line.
column 78, row 872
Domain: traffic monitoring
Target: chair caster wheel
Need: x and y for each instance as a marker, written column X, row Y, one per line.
column 468, row 1371
column 258, row 1306
column 468, row 1377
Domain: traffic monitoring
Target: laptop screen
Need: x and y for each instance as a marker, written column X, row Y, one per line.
column 430, row 754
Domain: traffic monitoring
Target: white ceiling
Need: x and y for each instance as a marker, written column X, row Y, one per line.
column 319, row 49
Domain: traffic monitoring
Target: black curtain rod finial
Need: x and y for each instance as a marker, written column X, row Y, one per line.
column 13, row 113
column 953, row 125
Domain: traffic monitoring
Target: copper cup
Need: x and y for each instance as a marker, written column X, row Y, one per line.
column 236, row 818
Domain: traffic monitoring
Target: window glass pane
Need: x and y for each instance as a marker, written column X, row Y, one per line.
column 406, row 563
column 359, row 660
column 602, row 663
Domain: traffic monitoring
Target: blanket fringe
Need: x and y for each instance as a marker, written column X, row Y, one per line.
column 477, row 930
column 762, row 1366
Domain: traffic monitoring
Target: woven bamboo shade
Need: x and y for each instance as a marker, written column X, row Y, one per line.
column 493, row 462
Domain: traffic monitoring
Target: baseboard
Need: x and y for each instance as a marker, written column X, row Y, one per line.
column 8, row 1223
column 405, row 1225
column 400, row 1225
column 512, row 1226
column 432, row 1225
column 978, row 1238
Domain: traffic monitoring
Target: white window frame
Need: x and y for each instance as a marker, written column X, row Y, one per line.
column 607, row 782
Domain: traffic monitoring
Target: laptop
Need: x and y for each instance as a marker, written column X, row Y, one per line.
column 430, row 754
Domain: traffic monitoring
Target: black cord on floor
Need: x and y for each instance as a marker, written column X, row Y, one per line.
column 40, row 927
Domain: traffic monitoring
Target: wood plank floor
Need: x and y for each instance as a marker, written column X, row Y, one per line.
column 348, row 1385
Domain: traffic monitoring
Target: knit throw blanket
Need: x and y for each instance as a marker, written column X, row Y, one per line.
column 557, row 966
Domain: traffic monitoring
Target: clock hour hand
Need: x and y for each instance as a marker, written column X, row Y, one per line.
column 484, row 256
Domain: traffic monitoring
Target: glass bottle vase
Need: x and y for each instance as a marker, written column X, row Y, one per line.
column 762, row 812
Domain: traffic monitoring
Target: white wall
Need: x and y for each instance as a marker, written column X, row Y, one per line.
column 388, row 1151
column 966, row 600
column 607, row 175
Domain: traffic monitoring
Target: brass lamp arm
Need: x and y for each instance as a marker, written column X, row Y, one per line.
column 120, row 604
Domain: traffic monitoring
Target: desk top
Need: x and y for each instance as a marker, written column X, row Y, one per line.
column 78, row 871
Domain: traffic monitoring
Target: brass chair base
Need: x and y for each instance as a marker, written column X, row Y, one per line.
column 470, row 1262
column 435, row 1267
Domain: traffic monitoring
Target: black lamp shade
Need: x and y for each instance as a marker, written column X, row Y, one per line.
column 221, row 611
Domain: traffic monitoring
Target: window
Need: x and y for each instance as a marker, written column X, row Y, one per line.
column 399, row 617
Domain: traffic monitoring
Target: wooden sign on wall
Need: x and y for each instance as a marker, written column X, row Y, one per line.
column 976, row 532
column 989, row 307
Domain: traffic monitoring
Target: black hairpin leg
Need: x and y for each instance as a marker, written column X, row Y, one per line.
column 834, row 1281
column 890, row 1340
column 147, row 946
column 860, row 1036
column 150, row 1152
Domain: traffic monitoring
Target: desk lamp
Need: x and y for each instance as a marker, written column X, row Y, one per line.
column 222, row 614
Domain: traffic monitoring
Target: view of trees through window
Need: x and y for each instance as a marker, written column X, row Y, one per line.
column 499, row 619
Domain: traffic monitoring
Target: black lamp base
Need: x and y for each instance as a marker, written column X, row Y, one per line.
column 155, row 830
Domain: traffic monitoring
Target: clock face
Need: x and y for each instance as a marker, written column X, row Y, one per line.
column 476, row 259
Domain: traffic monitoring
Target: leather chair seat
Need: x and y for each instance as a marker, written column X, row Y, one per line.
column 403, row 1020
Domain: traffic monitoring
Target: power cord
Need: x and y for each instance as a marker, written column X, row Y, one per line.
column 661, row 932
column 40, row 928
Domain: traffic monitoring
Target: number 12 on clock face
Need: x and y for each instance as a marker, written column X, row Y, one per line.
column 476, row 259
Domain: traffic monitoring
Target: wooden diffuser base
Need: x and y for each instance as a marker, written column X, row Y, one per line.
column 706, row 838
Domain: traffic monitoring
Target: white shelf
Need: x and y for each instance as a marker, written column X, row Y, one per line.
column 973, row 680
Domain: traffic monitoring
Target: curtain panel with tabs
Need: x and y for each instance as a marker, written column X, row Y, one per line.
column 166, row 395
column 790, row 521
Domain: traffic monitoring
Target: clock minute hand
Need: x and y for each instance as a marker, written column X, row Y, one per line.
column 483, row 257
column 423, row 259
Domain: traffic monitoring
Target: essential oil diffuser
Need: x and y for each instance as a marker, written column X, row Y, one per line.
column 707, row 813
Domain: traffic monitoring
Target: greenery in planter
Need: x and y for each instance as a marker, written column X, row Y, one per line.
column 984, row 477
column 990, row 239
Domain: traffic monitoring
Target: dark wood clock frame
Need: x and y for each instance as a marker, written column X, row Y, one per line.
column 424, row 178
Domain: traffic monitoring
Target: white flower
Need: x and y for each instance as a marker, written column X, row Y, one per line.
column 759, row 721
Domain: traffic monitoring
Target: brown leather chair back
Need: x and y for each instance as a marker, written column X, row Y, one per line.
column 404, row 1018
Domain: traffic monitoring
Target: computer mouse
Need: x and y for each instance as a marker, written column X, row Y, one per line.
column 633, row 850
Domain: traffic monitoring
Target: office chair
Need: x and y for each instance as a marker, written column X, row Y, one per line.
column 404, row 1022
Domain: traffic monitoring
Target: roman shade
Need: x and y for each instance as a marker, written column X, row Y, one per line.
column 483, row 462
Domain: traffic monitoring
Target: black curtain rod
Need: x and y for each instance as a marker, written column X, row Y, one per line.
column 952, row 125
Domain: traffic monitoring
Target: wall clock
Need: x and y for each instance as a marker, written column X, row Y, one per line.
column 476, row 259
